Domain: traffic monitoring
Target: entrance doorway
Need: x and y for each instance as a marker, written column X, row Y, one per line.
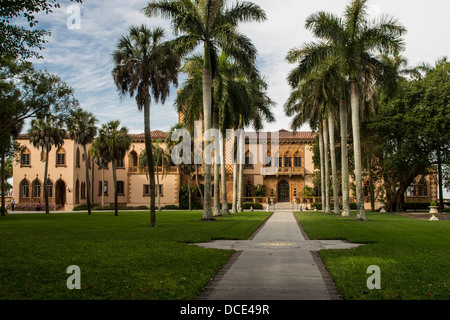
column 283, row 192
column 60, row 194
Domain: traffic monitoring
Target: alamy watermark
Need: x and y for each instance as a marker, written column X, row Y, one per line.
column 374, row 281
column 74, row 20
column 74, row 281
column 208, row 148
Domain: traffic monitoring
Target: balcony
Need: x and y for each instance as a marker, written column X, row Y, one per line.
column 283, row 171
column 137, row 170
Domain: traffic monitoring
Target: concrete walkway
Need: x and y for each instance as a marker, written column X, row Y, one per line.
column 278, row 263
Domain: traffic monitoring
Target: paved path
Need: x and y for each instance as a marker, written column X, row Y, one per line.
column 277, row 264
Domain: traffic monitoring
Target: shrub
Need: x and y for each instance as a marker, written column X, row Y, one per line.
column 170, row 207
column 248, row 205
column 416, row 206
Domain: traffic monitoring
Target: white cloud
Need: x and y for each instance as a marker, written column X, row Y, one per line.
column 83, row 57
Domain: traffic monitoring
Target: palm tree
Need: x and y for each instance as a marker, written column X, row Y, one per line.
column 82, row 129
column 162, row 158
column 98, row 152
column 115, row 143
column 45, row 133
column 143, row 63
column 213, row 25
column 353, row 42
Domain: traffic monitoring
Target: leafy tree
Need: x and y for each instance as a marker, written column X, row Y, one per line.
column 213, row 25
column 82, row 129
column 410, row 128
column 26, row 93
column 18, row 41
column 44, row 134
column 145, row 67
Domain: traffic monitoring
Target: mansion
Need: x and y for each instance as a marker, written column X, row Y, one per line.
column 67, row 177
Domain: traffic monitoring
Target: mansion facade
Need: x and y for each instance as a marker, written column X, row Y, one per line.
column 67, row 176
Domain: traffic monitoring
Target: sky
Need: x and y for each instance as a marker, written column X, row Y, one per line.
column 83, row 57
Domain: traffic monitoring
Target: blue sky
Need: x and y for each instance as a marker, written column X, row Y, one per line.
column 82, row 57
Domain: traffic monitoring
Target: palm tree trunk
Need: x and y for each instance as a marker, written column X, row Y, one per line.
column 149, row 153
column 336, row 209
column 103, row 186
column 235, row 181
column 344, row 161
column 327, row 167
column 157, row 187
column 223, row 176
column 198, row 183
column 47, row 211
column 3, row 213
column 360, row 215
column 216, row 167
column 241, row 158
column 116, row 204
column 88, row 188
column 207, row 103
column 189, row 191
column 322, row 167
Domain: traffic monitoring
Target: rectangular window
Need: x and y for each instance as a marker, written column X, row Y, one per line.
column 146, row 190
column 279, row 160
column 105, row 188
column 61, row 159
column 248, row 162
column 120, row 164
column 26, row 159
column 298, row 161
column 120, row 187
column 288, row 162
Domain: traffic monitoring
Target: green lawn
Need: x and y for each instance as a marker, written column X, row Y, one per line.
column 119, row 257
column 413, row 255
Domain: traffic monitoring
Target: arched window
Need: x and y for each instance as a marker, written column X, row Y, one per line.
column 133, row 159
column 77, row 192
column 77, row 159
column 61, row 157
column 24, row 189
column 36, row 189
column 25, row 159
column 49, row 188
column 83, row 190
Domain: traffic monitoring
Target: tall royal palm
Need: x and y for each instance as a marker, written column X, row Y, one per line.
column 45, row 133
column 354, row 42
column 82, row 129
column 211, row 24
column 145, row 67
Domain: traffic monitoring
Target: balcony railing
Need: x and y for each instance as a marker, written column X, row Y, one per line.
column 284, row 171
column 171, row 170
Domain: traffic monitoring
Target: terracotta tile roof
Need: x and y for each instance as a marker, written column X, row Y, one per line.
column 156, row 135
column 283, row 135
